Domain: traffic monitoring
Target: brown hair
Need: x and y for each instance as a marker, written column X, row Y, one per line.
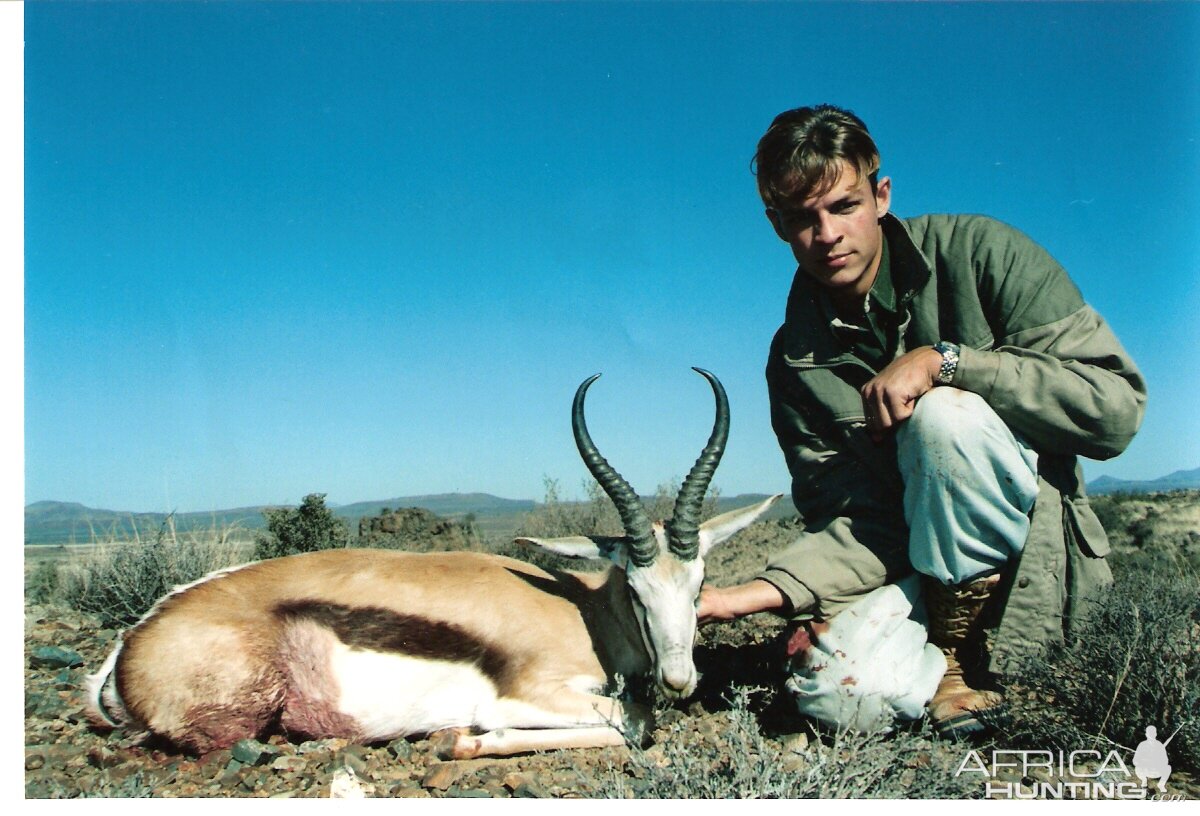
column 798, row 155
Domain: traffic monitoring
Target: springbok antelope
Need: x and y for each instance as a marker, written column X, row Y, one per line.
column 490, row 654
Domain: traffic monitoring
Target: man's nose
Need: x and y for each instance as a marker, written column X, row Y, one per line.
column 826, row 229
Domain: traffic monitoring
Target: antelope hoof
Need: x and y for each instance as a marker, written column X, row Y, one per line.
column 455, row 743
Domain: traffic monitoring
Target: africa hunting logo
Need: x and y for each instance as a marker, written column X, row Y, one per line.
column 1085, row 774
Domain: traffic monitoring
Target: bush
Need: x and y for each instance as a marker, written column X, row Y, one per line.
column 1135, row 663
column 42, row 582
column 733, row 760
column 597, row 516
column 119, row 581
column 310, row 527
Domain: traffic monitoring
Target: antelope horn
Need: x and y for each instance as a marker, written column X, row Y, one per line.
column 642, row 548
column 684, row 529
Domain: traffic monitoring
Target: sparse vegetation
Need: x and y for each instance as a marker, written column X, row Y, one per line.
column 731, row 759
column 310, row 527
column 596, row 515
column 120, row 580
column 1135, row 663
column 1152, row 530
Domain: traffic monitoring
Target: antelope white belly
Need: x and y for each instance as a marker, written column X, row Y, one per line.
column 391, row 695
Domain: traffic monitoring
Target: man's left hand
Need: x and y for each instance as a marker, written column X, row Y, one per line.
column 891, row 396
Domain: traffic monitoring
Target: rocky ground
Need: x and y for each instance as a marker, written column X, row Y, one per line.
column 67, row 758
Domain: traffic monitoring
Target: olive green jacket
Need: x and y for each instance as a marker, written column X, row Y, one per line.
column 1043, row 360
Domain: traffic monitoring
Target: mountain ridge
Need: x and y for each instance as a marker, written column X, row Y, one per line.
column 57, row 522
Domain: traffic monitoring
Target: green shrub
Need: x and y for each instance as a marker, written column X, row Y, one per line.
column 42, row 582
column 310, row 527
column 1135, row 663
column 120, row 580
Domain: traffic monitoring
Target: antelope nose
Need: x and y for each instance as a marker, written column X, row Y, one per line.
column 678, row 680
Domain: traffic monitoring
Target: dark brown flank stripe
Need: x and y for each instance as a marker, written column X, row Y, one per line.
column 382, row 630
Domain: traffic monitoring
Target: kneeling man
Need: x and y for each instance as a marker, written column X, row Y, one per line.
column 931, row 386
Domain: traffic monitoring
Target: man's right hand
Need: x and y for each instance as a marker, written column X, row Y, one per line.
column 730, row 603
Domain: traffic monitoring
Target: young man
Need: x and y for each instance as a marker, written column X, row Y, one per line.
column 931, row 386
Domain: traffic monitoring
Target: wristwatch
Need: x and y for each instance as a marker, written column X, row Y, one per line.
column 949, row 352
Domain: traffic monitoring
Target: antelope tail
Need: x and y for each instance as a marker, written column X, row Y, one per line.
column 104, row 704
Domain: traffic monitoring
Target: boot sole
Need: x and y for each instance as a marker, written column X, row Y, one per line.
column 970, row 723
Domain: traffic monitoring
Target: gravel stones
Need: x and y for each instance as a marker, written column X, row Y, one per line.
column 54, row 657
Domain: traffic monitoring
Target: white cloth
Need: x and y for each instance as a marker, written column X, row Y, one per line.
column 873, row 665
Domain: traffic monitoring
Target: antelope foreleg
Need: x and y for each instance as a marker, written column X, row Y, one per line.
column 452, row 744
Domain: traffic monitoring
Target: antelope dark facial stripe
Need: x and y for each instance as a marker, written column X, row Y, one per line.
column 382, row 630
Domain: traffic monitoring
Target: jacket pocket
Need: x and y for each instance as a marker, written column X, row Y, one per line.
column 1081, row 524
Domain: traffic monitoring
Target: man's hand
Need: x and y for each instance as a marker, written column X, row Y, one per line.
column 729, row 603
column 891, row 396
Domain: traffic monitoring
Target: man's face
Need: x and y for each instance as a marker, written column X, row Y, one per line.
column 835, row 235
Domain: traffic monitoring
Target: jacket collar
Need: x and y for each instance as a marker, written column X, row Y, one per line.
column 808, row 333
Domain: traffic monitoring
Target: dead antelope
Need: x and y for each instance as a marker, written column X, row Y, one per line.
column 497, row 654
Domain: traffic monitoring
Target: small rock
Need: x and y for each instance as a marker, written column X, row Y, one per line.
column 410, row 793
column 34, row 761
column 400, row 748
column 231, row 773
column 54, row 657
column 346, row 785
column 75, row 715
column 442, row 776
column 290, row 764
column 468, row 793
column 101, row 757
column 393, row 775
column 313, row 746
column 354, row 762
column 657, row 755
column 529, row 790
column 253, row 752
column 795, row 743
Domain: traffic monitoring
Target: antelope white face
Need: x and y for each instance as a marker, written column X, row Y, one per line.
column 664, row 593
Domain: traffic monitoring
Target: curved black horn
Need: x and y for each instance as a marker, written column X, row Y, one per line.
column 684, row 529
column 642, row 549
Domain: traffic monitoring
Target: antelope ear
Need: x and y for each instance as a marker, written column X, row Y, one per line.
column 721, row 528
column 612, row 549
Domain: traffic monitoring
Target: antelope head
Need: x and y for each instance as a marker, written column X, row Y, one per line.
column 663, row 560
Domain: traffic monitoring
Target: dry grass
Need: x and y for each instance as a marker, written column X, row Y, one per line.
column 120, row 580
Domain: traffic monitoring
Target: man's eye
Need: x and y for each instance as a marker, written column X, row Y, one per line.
column 797, row 219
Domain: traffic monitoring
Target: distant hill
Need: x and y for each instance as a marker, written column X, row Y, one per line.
column 53, row 522
column 1179, row 480
column 449, row 505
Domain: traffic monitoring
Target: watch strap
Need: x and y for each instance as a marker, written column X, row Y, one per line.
column 949, row 352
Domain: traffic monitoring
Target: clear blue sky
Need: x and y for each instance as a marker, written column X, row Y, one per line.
column 371, row 250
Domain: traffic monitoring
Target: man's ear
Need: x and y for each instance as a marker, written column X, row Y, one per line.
column 883, row 196
column 776, row 223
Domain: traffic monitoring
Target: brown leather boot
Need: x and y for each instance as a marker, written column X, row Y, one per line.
column 967, row 689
